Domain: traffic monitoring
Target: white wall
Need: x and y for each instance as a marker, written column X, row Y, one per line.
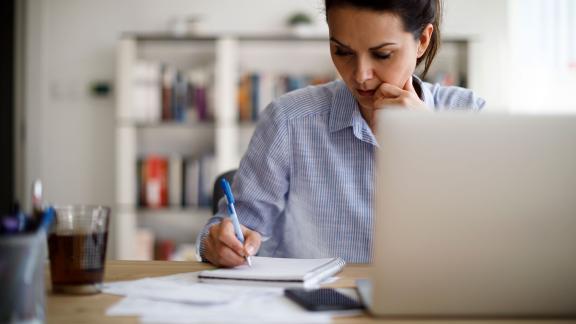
column 72, row 42
column 543, row 56
column 486, row 22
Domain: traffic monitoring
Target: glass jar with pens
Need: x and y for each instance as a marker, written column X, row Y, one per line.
column 22, row 260
column 77, row 239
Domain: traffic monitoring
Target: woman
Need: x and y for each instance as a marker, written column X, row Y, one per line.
column 305, row 186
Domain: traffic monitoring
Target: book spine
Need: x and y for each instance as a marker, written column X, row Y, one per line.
column 244, row 99
column 175, row 181
column 140, row 194
column 192, row 182
column 255, row 95
column 202, row 109
column 155, row 182
column 209, row 175
column 199, row 89
column 167, row 96
column 154, row 101
column 181, row 93
column 145, row 92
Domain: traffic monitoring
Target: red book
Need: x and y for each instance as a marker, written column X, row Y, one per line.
column 156, row 182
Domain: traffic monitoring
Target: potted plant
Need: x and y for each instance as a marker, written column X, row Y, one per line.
column 300, row 23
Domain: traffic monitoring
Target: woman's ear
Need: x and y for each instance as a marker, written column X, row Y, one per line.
column 424, row 39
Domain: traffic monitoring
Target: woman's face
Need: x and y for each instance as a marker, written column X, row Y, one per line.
column 369, row 48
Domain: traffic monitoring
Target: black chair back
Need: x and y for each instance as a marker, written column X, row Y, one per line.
column 218, row 192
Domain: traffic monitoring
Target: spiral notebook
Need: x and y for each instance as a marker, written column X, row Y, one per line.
column 283, row 272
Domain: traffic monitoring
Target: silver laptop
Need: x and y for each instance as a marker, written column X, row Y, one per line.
column 475, row 216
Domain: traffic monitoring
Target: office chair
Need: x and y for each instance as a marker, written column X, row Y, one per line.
column 218, row 193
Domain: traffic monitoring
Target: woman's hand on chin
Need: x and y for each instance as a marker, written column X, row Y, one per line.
column 390, row 96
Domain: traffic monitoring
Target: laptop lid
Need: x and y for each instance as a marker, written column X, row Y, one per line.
column 475, row 215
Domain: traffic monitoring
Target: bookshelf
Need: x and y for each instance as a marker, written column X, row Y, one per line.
column 143, row 131
column 147, row 129
column 451, row 65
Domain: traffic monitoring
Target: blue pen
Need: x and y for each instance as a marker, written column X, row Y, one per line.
column 22, row 223
column 232, row 212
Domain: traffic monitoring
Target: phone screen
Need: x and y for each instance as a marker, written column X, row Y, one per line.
column 322, row 299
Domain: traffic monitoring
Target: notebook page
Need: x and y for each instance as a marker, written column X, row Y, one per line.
column 264, row 268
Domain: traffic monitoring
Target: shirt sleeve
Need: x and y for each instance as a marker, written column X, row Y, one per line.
column 456, row 98
column 479, row 103
column 260, row 185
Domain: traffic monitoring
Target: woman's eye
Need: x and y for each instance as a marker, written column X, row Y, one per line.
column 341, row 52
column 382, row 56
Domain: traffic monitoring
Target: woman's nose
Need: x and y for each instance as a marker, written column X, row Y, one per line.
column 364, row 71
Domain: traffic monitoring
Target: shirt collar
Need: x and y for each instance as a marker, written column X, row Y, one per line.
column 425, row 93
column 346, row 113
column 344, row 109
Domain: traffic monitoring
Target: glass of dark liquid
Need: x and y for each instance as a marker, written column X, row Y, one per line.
column 77, row 248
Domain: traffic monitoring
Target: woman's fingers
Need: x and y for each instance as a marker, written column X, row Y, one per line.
column 391, row 96
column 252, row 241
column 386, row 90
column 221, row 255
column 223, row 247
column 227, row 236
column 382, row 103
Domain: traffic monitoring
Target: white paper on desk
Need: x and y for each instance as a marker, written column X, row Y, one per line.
column 183, row 288
column 270, row 310
column 180, row 299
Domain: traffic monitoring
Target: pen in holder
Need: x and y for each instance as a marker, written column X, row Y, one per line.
column 22, row 271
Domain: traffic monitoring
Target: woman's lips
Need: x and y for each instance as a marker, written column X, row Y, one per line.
column 366, row 93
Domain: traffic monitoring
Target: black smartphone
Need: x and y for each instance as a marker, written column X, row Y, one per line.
column 323, row 299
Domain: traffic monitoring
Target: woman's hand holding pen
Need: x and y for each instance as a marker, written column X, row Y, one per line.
column 388, row 95
column 222, row 247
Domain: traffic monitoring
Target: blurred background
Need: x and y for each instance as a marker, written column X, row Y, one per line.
column 139, row 104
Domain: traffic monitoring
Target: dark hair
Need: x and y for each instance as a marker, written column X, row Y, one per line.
column 415, row 15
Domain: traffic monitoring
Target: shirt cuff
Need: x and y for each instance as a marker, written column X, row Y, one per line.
column 200, row 248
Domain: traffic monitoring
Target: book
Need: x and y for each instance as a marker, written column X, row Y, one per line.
column 207, row 176
column 145, row 94
column 155, row 173
column 167, row 96
column 179, row 97
column 175, row 181
column 284, row 272
column 192, row 182
column 199, row 88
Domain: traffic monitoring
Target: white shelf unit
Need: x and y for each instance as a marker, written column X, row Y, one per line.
column 451, row 65
column 229, row 57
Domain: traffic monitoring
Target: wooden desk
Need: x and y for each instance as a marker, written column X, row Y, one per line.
column 92, row 309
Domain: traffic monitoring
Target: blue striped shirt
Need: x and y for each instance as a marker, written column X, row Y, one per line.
column 306, row 181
